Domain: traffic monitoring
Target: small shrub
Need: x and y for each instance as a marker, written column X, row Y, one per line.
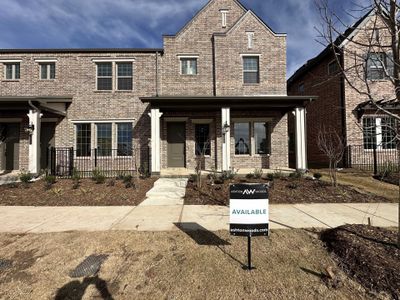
column 270, row 177
column 227, row 175
column 296, row 175
column 193, row 178
column 57, row 191
column 144, row 170
column 120, row 176
column 317, row 176
column 111, row 182
column 128, row 181
column 49, row 180
column 25, row 178
column 250, row 176
column 257, row 173
column 292, row 185
column 98, row 177
column 278, row 174
column 213, row 175
column 75, row 179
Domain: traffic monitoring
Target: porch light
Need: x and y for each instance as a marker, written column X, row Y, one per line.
column 225, row 128
column 29, row 129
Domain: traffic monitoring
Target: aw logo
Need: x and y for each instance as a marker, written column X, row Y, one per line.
column 249, row 192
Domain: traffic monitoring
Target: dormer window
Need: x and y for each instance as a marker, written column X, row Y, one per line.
column 250, row 39
column 224, row 13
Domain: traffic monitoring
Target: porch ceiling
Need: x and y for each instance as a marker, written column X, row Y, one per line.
column 15, row 103
column 242, row 102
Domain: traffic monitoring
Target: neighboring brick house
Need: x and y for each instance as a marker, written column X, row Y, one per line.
column 218, row 87
column 340, row 107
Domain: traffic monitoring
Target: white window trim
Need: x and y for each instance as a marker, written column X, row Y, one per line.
column 13, row 64
column 378, row 133
column 251, row 71
column 252, row 136
column 47, row 64
column 112, row 76
column 93, row 136
column 53, row 60
column 181, row 57
column 117, row 77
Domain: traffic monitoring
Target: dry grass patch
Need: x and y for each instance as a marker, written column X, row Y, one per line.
column 171, row 265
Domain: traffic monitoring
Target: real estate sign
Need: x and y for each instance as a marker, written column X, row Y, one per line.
column 249, row 209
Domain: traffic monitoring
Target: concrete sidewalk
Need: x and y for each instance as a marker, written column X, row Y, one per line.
column 19, row 219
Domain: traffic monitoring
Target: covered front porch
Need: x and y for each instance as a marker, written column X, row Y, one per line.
column 224, row 133
column 27, row 129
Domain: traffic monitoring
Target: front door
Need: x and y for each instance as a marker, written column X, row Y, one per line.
column 176, row 144
column 47, row 131
column 12, row 147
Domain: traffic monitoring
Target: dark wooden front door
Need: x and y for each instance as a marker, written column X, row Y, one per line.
column 12, row 146
column 47, row 131
column 176, row 144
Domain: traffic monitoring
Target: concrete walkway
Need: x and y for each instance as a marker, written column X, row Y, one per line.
column 152, row 217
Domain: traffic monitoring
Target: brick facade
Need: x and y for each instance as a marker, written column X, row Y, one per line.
column 219, row 52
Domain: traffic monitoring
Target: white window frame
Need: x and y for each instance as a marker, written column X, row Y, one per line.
column 93, row 139
column 114, row 73
column 47, row 64
column 189, row 57
column 251, row 71
column 13, row 64
column 117, row 77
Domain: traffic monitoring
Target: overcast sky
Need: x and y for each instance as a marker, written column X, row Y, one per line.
column 140, row 23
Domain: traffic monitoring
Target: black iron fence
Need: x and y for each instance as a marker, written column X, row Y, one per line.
column 375, row 160
column 64, row 162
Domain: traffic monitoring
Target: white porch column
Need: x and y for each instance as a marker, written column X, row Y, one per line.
column 34, row 141
column 301, row 154
column 155, row 116
column 226, row 138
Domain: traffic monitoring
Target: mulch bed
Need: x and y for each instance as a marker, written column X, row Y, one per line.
column 282, row 191
column 368, row 254
column 391, row 178
column 62, row 193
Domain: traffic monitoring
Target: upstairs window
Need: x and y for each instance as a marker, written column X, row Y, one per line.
column 301, row 87
column 379, row 65
column 188, row 66
column 202, row 138
column 124, row 76
column 251, row 72
column 47, row 71
column 104, row 76
column 12, row 71
column 333, row 68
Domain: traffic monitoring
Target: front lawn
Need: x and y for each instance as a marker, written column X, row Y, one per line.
column 290, row 264
column 283, row 190
column 86, row 193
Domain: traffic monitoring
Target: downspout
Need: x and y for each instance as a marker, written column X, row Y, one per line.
column 213, row 67
column 343, row 111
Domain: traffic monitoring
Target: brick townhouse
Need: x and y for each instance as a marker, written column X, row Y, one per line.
column 340, row 107
column 217, row 87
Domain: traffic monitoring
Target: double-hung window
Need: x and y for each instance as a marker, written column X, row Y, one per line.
column 188, row 65
column 261, row 137
column 124, row 76
column 104, row 76
column 379, row 132
column 242, row 138
column 124, row 139
column 104, row 139
column 251, row 72
column 376, row 66
column 83, row 139
column 12, row 71
column 47, row 71
column 202, row 138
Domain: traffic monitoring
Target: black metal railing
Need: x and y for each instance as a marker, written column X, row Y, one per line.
column 376, row 159
column 64, row 162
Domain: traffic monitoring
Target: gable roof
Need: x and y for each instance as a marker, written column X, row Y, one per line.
column 250, row 12
column 198, row 13
column 339, row 42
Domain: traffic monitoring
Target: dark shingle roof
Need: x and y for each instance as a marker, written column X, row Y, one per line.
column 83, row 50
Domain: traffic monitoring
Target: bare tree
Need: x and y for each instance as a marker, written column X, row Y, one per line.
column 200, row 161
column 333, row 146
column 368, row 53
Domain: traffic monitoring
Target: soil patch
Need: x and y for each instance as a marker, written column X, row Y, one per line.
column 290, row 264
column 368, row 254
column 392, row 178
column 282, row 191
column 88, row 193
